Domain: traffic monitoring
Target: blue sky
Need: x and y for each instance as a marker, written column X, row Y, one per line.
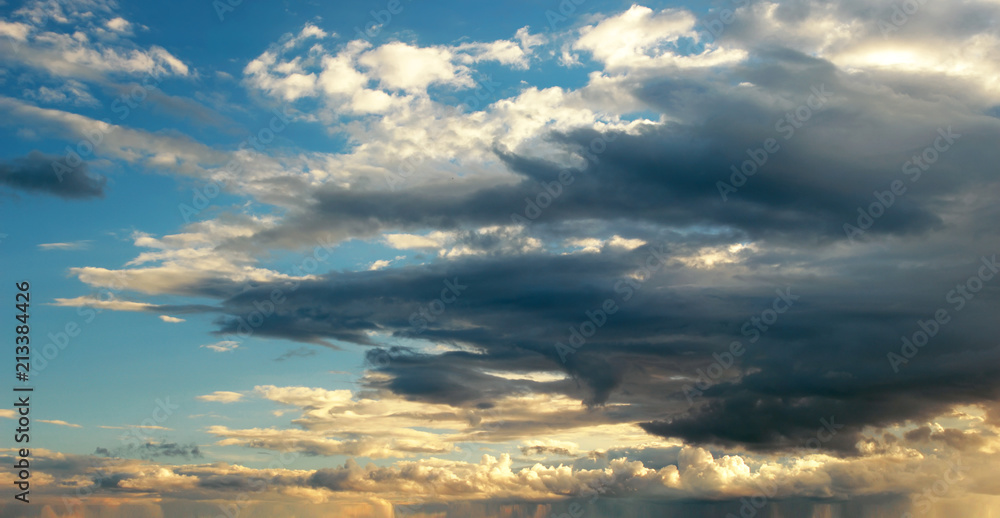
column 501, row 258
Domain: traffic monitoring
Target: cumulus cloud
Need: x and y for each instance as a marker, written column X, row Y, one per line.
column 621, row 484
column 89, row 53
column 640, row 204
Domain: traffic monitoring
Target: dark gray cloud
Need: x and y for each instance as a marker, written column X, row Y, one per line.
column 847, row 138
column 51, row 174
column 825, row 360
column 301, row 352
column 152, row 450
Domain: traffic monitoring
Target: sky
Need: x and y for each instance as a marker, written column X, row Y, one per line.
column 512, row 259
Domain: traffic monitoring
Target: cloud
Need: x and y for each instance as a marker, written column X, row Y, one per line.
column 549, row 447
column 60, row 423
column 607, row 312
column 70, row 92
column 152, row 450
column 141, row 426
column 110, row 303
column 97, row 49
column 170, row 319
column 74, row 245
column 222, row 397
column 640, row 37
column 692, row 478
column 301, row 352
column 187, row 262
column 119, row 24
column 53, row 175
column 379, row 264
column 399, row 66
column 223, row 346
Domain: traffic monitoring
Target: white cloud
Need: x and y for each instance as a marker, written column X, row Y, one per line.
column 170, row 319
column 222, row 396
column 380, row 264
column 435, row 239
column 642, row 38
column 594, row 245
column 14, row 30
column 142, row 426
column 111, row 303
column 119, row 24
column 94, row 50
column 177, row 263
column 72, row 245
column 536, row 376
column 70, row 92
column 222, row 346
column 514, row 53
column 60, row 423
column 399, row 66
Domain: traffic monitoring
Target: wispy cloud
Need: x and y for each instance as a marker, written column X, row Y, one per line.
column 222, row 396
column 73, row 245
column 142, row 426
column 301, row 352
column 110, row 303
column 223, row 346
column 60, row 423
